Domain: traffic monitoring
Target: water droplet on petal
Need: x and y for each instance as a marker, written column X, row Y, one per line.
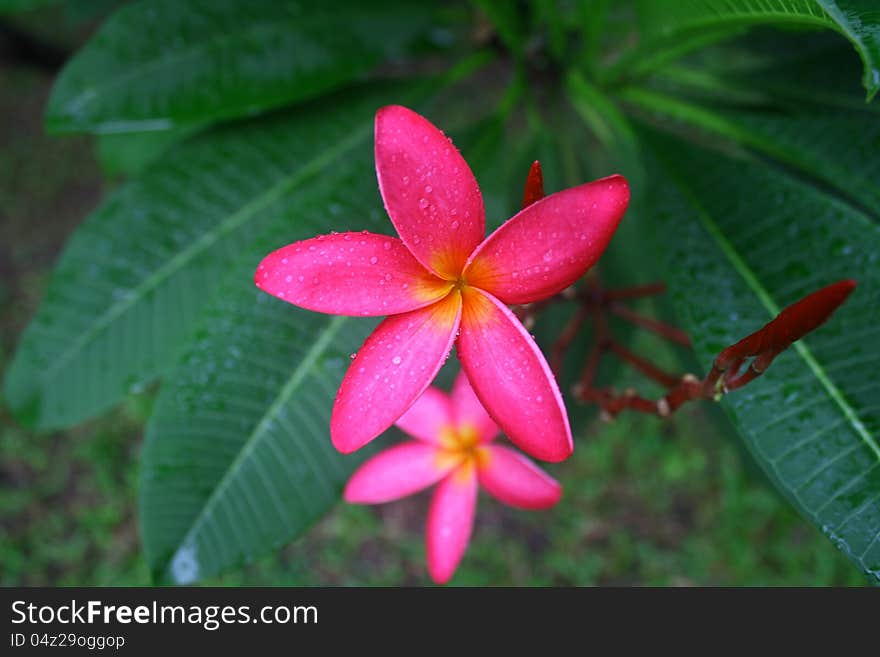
column 374, row 260
column 396, row 360
column 423, row 203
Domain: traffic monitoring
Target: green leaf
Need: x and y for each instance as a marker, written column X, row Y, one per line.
column 673, row 24
column 126, row 293
column 859, row 20
column 609, row 126
column 130, row 153
column 165, row 63
column 742, row 240
column 793, row 72
column 238, row 459
column 836, row 149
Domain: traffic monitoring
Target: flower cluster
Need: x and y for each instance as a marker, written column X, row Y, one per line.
column 442, row 283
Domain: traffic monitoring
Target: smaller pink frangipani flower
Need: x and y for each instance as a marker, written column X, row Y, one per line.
column 453, row 449
column 442, row 283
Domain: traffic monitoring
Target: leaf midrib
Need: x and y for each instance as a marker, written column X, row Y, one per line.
column 835, row 394
column 184, row 257
column 293, row 382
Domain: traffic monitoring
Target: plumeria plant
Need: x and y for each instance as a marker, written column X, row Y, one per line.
column 694, row 148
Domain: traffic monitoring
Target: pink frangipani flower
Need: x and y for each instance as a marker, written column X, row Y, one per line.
column 442, row 283
column 454, row 447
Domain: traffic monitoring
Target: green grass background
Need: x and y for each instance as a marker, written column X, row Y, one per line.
column 646, row 502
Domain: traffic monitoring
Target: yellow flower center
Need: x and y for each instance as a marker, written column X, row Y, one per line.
column 461, row 448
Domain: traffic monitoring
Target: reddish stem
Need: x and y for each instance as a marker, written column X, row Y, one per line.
column 644, row 366
column 636, row 292
column 656, row 326
column 569, row 333
column 763, row 346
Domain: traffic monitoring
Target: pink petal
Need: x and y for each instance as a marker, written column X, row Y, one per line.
column 397, row 472
column 450, row 520
column 469, row 412
column 429, row 191
column 551, row 243
column 394, row 366
column 349, row 274
column 429, row 417
column 510, row 376
column 513, row 479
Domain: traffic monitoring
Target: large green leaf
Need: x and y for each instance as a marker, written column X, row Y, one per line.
column 836, row 149
column 127, row 290
column 674, row 24
column 238, row 458
column 741, row 240
column 131, row 153
column 164, row 63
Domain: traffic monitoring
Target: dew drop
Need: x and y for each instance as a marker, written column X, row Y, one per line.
column 387, row 246
column 423, row 203
column 455, row 225
column 428, row 189
column 288, row 278
column 374, row 260
column 396, row 360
